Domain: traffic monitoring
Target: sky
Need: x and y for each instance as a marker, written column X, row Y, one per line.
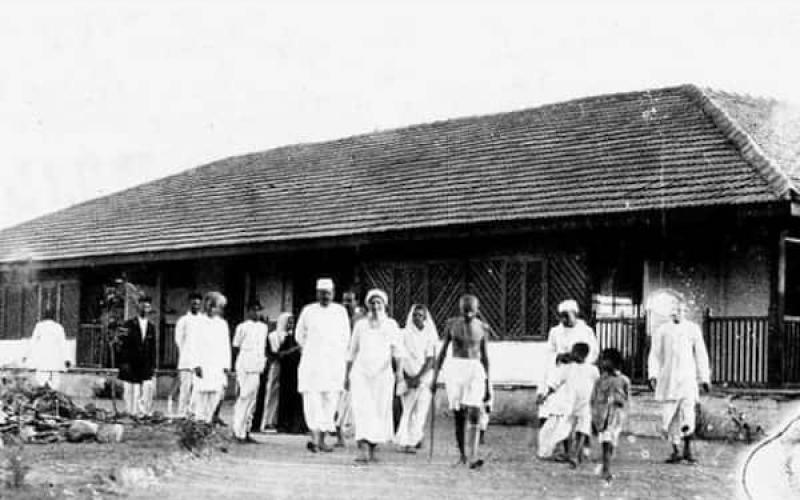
column 97, row 96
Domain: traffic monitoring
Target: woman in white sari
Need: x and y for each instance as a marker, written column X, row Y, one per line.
column 375, row 341
column 420, row 341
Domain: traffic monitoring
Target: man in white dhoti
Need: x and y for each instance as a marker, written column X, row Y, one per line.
column 212, row 359
column 250, row 340
column 370, row 378
column 420, row 339
column 47, row 351
column 560, row 341
column 186, row 331
column 677, row 364
column 323, row 332
column 467, row 382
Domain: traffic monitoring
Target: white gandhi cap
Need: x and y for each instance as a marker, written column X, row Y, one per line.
column 568, row 305
column 325, row 284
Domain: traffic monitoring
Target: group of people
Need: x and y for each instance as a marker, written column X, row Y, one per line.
column 343, row 365
column 585, row 392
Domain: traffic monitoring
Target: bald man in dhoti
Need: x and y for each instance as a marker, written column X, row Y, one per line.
column 211, row 358
column 560, row 341
column 323, row 332
column 677, row 365
column 467, row 382
column 47, row 351
column 420, row 340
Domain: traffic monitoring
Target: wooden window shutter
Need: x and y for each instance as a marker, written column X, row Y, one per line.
column 30, row 309
column 69, row 296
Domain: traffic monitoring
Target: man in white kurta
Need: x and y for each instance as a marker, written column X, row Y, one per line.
column 47, row 353
column 212, row 359
column 560, row 341
column 323, row 332
column 677, row 364
column 251, row 341
column 186, row 331
column 420, row 340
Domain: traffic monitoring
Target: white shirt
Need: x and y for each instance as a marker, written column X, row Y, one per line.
column 678, row 361
column 323, row 333
column 560, row 340
column 373, row 346
column 212, row 353
column 142, row 326
column 576, row 380
column 251, row 339
column 186, row 329
column 419, row 345
column 47, row 349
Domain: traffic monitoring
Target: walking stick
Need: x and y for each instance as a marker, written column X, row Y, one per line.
column 432, row 422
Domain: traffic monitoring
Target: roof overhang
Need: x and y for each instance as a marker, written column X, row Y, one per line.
column 676, row 217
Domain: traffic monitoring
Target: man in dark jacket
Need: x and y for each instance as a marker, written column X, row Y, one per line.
column 137, row 357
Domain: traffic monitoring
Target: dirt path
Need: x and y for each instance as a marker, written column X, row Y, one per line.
column 281, row 468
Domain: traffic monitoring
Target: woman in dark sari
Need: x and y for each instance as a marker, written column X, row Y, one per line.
column 290, row 402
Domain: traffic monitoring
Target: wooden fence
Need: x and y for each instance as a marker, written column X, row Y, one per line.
column 629, row 337
column 791, row 350
column 737, row 349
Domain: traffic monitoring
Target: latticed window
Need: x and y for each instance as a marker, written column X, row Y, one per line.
column 511, row 291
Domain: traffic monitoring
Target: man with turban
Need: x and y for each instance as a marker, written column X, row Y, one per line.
column 323, row 332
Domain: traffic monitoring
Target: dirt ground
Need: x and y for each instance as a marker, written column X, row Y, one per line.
column 280, row 467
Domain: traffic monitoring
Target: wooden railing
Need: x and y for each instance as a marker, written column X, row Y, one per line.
column 91, row 349
column 737, row 349
column 791, row 350
column 629, row 337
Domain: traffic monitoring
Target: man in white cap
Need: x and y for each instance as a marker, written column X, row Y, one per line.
column 211, row 359
column 323, row 332
column 560, row 340
column 677, row 365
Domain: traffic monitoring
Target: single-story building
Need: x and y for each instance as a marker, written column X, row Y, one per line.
column 604, row 199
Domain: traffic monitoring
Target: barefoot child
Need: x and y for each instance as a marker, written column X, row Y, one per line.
column 576, row 379
column 467, row 383
column 609, row 404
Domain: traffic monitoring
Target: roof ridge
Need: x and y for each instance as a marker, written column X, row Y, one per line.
column 772, row 173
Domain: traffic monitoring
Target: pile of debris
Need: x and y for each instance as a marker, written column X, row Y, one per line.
column 42, row 415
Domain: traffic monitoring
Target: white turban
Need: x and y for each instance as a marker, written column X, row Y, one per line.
column 325, row 284
column 568, row 305
column 376, row 292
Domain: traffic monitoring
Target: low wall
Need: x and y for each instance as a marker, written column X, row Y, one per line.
column 12, row 351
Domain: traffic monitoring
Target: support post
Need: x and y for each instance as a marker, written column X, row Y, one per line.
column 775, row 368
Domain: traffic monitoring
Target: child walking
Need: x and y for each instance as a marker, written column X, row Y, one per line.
column 574, row 381
column 609, row 405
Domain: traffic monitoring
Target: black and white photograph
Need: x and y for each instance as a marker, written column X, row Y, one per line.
column 399, row 250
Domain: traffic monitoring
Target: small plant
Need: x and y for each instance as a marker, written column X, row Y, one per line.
column 193, row 435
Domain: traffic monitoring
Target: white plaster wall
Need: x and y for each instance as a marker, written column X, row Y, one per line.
column 12, row 351
column 514, row 362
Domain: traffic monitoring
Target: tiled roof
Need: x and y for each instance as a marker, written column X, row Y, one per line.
column 665, row 148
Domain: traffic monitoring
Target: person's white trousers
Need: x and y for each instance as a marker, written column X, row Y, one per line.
column 205, row 403
column 139, row 397
column 319, row 409
column 185, row 393
column 245, row 403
